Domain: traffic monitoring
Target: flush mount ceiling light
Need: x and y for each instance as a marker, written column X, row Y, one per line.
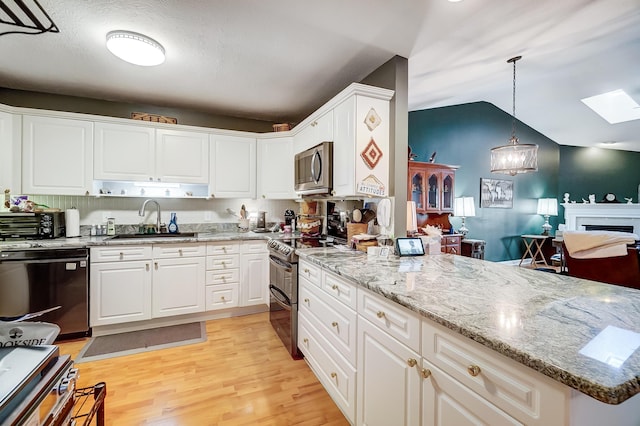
column 514, row 158
column 615, row 107
column 135, row 48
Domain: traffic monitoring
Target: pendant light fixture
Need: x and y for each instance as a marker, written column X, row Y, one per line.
column 514, row 158
column 135, row 48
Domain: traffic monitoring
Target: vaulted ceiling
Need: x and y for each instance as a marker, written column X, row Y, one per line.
column 279, row 60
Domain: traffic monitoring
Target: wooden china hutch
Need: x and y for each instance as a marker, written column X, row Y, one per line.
column 432, row 187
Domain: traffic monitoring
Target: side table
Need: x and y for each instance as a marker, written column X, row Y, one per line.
column 533, row 247
column 473, row 248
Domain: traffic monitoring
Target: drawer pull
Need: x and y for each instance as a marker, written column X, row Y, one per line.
column 380, row 314
column 306, row 341
column 155, row 264
column 333, row 375
column 147, row 266
column 335, row 287
column 412, row 362
column 335, row 324
column 474, row 370
column 223, row 263
column 306, row 271
column 426, row 373
column 222, row 298
column 306, row 300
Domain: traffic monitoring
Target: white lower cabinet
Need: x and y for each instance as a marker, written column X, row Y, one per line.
column 327, row 333
column 254, row 273
column 134, row 283
column 389, row 379
column 178, row 286
column 120, row 284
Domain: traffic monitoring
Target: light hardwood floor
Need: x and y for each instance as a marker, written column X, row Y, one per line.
column 242, row 375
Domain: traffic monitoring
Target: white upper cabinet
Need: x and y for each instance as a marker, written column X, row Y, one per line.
column 182, row 156
column 361, row 148
column 57, row 156
column 275, row 168
column 144, row 154
column 124, row 152
column 233, row 167
column 317, row 131
column 10, row 153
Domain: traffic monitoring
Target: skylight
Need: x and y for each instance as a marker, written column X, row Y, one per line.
column 615, row 107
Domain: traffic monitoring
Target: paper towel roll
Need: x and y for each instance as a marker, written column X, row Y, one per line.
column 72, row 223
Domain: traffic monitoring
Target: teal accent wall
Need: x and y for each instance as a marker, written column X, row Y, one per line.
column 597, row 171
column 463, row 135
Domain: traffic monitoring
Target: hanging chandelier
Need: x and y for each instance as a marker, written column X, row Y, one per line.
column 514, row 158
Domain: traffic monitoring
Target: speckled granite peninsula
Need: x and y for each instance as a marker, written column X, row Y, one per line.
column 538, row 319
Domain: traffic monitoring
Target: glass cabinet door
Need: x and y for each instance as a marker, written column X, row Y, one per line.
column 433, row 199
column 417, row 190
column 447, row 192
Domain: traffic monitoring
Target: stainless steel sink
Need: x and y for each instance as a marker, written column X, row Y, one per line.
column 167, row 235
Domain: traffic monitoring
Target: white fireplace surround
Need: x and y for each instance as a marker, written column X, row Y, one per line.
column 577, row 215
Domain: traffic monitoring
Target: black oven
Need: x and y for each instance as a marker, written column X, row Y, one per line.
column 283, row 288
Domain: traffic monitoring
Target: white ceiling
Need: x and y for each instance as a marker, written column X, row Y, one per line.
column 279, row 60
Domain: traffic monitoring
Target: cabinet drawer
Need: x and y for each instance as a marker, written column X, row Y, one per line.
column 451, row 240
column 399, row 322
column 310, row 271
column 223, row 262
column 523, row 393
column 228, row 276
column 336, row 375
column 119, row 253
column 221, row 296
column 223, row 248
column 337, row 322
column 163, row 251
column 445, row 401
column 253, row 246
column 339, row 289
column 450, row 249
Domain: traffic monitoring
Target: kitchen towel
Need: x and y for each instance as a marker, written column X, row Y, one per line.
column 72, row 223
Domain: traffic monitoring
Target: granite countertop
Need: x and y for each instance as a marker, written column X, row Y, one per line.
column 548, row 322
column 108, row 241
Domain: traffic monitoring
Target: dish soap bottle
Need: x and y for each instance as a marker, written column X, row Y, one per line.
column 173, row 224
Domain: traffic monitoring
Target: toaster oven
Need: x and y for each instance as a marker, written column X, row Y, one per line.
column 31, row 226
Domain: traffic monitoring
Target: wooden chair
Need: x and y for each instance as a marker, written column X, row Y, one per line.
column 621, row 270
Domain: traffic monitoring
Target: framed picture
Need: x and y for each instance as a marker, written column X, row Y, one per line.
column 497, row 193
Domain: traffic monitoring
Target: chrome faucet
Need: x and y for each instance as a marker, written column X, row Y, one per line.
column 141, row 212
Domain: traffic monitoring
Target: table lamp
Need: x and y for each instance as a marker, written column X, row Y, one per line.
column 464, row 207
column 412, row 219
column 547, row 207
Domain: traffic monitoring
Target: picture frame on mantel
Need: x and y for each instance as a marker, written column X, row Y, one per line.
column 496, row 193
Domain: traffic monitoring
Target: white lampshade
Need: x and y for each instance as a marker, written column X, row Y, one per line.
column 464, row 207
column 548, row 206
column 135, row 48
column 412, row 219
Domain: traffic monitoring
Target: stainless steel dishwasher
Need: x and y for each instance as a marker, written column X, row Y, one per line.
column 33, row 280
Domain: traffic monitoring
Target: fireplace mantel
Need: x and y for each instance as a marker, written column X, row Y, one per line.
column 577, row 215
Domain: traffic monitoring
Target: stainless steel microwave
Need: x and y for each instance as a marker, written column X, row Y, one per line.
column 314, row 170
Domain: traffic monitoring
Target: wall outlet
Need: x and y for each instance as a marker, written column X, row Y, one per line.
column 105, row 216
column 207, row 216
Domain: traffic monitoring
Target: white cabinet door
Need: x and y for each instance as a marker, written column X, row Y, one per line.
column 254, row 279
column 120, row 292
column 233, row 167
column 361, row 153
column 10, row 148
column 275, row 169
column 182, row 156
column 124, row 152
column 448, row 402
column 318, row 131
column 389, row 381
column 178, row 286
column 57, row 156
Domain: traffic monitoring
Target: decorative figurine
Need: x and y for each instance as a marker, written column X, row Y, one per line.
column 585, row 201
column 592, row 198
column 566, row 197
column 629, row 200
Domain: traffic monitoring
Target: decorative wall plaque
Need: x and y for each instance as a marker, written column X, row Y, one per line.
column 372, row 120
column 371, row 154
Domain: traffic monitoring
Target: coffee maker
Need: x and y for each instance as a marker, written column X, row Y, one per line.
column 336, row 223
